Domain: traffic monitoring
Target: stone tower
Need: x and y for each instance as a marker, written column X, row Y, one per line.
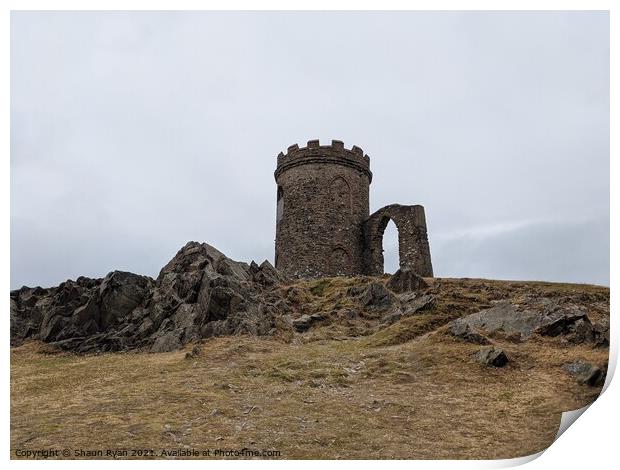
column 323, row 226
column 322, row 202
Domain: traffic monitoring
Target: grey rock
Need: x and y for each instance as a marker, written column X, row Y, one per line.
column 581, row 331
column 406, row 280
column 265, row 274
column 119, row 293
column 587, row 373
column 420, row 303
column 376, row 295
column 168, row 341
column 392, row 317
column 492, row 356
column 503, row 317
column 467, row 333
column 561, row 321
column 415, row 305
column 302, row 323
column 199, row 293
column 601, row 333
column 356, row 291
column 407, row 297
column 547, row 319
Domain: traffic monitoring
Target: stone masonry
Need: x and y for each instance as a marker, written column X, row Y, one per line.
column 323, row 225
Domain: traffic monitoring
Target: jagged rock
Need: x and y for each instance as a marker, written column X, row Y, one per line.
column 413, row 306
column 561, row 322
column 392, row 317
column 503, row 317
column 407, row 297
column 118, row 295
column 199, row 293
column 406, row 280
column 168, row 341
column 467, row 333
column 302, row 323
column 265, row 274
column 374, row 295
column 587, row 373
column 418, row 304
column 492, row 356
column 356, row 291
column 601, row 333
column 581, row 331
column 550, row 320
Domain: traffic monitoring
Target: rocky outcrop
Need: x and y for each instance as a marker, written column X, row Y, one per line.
column 374, row 295
column 199, row 293
column 545, row 318
column 202, row 293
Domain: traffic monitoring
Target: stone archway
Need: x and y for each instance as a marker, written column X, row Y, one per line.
column 375, row 244
column 391, row 248
column 413, row 248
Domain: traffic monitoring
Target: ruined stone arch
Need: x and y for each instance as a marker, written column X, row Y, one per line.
column 375, row 241
column 413, row 248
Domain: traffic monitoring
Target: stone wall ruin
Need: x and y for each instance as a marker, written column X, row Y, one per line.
column 323, row 222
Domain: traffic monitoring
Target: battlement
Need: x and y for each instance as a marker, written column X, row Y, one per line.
column 314, row 152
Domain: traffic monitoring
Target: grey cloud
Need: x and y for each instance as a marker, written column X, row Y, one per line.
column 134, row 132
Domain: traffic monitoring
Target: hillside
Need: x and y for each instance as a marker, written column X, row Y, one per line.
column 342, row 368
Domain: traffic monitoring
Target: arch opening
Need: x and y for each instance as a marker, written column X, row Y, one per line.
column 390, row 246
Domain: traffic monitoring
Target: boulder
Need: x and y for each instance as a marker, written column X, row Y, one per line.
column 601, row 333
column 561, row 321
column 587, row 373
column 167, row 341
column 392, row 317
column 492, row 356
column 406, row 280
column 265, row 274
column 547, row 319
column 466, row 332
column 418, row 304
column 302, row 323
column 413, row 306
column 502, row 317
column 374, row 295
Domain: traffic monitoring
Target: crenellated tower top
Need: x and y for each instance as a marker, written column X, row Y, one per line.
column 314, row 152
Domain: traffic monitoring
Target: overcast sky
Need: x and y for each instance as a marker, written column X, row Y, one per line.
column 135, row 132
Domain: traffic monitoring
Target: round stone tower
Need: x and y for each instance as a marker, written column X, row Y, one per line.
column 322, row 203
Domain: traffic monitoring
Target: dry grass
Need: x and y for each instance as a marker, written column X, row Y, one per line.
column 397, row 392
